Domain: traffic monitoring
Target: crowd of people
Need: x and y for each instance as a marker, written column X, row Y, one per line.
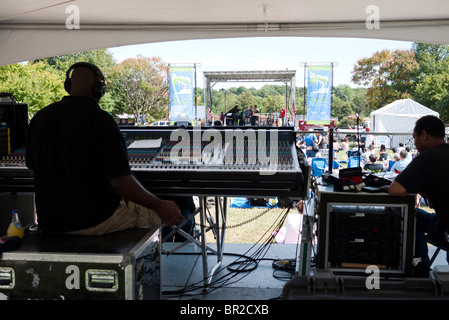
column 372, row 159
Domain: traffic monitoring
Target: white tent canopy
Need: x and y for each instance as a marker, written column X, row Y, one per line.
column 31, row 29
column 399, row 116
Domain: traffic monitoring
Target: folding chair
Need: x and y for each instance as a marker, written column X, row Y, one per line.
column 354, row 162
column 390, row 164
column 318, row 166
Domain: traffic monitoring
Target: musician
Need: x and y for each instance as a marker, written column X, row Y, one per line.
column 222, row 117
column 428, row 175
column 78, row 158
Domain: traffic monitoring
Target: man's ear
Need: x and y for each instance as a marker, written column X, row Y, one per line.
column 424, row 136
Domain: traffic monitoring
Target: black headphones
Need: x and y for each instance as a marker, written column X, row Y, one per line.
column 99, row 87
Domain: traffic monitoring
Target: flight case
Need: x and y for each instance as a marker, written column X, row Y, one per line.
column 124, row 265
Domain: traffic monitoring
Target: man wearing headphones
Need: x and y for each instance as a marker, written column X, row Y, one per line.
column 78, row 158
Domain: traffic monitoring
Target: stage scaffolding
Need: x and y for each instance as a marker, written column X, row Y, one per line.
column 288, row 77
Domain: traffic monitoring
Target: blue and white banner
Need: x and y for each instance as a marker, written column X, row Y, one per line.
column 181, row 93
column 319, row 89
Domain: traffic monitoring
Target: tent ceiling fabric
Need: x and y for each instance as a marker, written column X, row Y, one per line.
column 31, row 29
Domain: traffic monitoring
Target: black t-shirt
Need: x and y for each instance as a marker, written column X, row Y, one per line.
column 429, row 172
column 75, row 148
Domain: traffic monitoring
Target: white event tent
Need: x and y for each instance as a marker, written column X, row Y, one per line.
column 399, row 116
column 31, row 29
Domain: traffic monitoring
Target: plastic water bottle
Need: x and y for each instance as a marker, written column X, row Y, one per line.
column 15, row 228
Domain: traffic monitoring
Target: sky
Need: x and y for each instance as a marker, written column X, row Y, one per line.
column 273, row 53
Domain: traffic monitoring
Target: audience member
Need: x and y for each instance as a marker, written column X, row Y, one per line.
column 383, row 155
column 372, row 165
column 400, row 165
column 409, row 154
column 309, row 140
column 345, row 144
column 335, row 145
column 400, row 148
column 366, row 153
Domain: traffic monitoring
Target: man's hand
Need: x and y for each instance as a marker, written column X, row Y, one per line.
column 169, row 212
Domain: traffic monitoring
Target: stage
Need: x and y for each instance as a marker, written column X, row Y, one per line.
column 182, row 273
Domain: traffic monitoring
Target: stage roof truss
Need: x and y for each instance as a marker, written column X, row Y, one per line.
column 251, row 76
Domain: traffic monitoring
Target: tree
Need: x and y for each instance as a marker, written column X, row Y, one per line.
column 101, row 58
column 31, row 83
column 246, row 100
column 274, row 103
column 432, row 88
column 389, row 76
column 140, row 86
column 341, row 108
column 432, row 58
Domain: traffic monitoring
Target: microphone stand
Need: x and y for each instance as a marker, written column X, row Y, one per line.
column 358, row 140
column 331, row 149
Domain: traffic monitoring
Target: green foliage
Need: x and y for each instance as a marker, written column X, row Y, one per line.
column 31, row 83
column 432, row 88
column 421, row 73
column 389, row 76
column 140, row 87
column 101, row 58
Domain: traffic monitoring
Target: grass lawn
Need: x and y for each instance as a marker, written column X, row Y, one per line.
column 251, row 225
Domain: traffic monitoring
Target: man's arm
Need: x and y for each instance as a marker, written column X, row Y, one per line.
column 396, row 189
column 132, row 190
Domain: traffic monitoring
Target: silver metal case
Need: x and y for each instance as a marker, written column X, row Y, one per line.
column 123, row 265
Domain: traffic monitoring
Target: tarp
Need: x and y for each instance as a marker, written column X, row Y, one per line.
column 31, row 29
column 399, row 116
column 243, row 203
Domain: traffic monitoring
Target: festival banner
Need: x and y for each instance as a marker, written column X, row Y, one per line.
column 319, row 89
column 181, row 93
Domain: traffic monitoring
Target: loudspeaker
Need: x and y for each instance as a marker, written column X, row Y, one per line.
column 99, row 87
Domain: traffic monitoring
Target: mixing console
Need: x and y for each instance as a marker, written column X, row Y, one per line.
column 224, row 161
column 15, row 159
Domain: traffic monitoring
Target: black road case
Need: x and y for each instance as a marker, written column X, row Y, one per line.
column 123, row 265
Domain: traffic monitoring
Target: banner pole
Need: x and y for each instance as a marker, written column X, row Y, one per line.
column 196, row 114
column 305, row 79
column 169, row 92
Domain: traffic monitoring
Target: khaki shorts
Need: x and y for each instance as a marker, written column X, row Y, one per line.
column 128, row 215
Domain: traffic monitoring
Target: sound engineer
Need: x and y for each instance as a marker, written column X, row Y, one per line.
column 78, row 158
column 427, row 175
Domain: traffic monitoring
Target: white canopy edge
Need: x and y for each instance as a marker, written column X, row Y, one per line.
column 24, row 43
column 31, row 29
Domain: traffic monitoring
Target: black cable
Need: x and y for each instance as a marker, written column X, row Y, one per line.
column 251, row 261
column 264, row 247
